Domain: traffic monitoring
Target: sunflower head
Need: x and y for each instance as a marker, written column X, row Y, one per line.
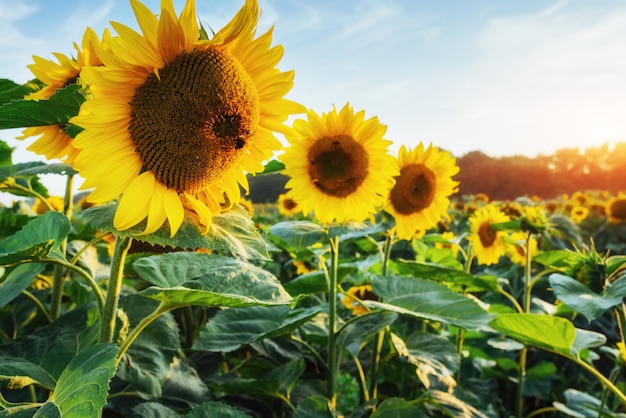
column 52, row 140
column 420, row 196
column 579, row 214
column 518, row 245
column 176, row 121
column 616, row 208
column 487, row 242
column 338, row 165
column 354, row 296
column 534, row 219
column 287, row 205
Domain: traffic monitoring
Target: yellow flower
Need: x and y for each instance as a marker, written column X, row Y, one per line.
column 56, row 202
column 338, row 165
column 452, row 245
column 578, row 214
column 287, row 206
column 419, row 199
column 516, row 249
column 486, row 242
column 176, row 121
column 53, row 141
column 355, row 295
column 534, row 219
column 616, row 208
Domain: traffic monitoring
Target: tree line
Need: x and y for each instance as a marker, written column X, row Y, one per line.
column 505, row 178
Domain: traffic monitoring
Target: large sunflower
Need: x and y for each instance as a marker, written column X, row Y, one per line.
column 419, row 199
column 53, row 141
column 176, row 121
column 487, row 242
column 338, row 165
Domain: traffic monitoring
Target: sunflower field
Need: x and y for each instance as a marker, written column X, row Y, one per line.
column 370, row 288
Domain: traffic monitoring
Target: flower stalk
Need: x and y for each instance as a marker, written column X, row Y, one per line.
column 107, row 321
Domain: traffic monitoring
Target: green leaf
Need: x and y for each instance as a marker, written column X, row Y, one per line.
column 9, row 90
column 216, row 409
column 426, row 299
column 57, row 110
column 363, row 327
column 351, row 230
column 82, row 388
column 458, row 278
column 546, row 332
column 313, row 407
column 34, row 168
column 434, row 357
column 299, row 234
column 20, row 373
column 5, row 154
column 315, row 282
column 184, row 384
column 582, row 299
column 232, row 328
column 580, row 405
column 397, row 408
column 35, row 240
column 273, row 166
column 152, row 410
column 552, row 258
column 18, row 279
column 233, row 231
column 147, row 361
column 224, row 282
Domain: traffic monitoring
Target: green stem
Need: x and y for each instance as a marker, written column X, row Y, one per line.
column 91, row 243
column 607, row 382
column 524, row 352
column 38, row 303
column 332, row 323
column 58, row 278
column 460, row 336
column 107, row 321
column 362, row 380
column 312, row 350
column 380, row 336
column 132, row 336
column 90, row 281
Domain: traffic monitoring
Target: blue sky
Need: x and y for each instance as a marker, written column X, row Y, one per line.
column 502, row 77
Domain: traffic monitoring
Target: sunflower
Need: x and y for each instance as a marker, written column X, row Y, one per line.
column 176, row 121
column 53, row 141
column 616, row 208
column 287, row 206
column 353, row 297
column 516, row 248
column 487, row 243
column 338, row 165
column 578, row 214
column 419, row 199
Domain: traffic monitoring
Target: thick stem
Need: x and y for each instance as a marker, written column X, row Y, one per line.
column 332, row 323
column 107, row 321
column 58, row 278
column 524, row 352
column 380, row 336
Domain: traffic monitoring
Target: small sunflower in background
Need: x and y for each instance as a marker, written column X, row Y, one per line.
column 287, row 205
column 616, row 208
column 487, row 243
column 420, row 197
column 176, row 121
column 516, row 247
column 353, row 297
column 338, row 165
column 53, row 203
column 578, row 214
column 53, row 141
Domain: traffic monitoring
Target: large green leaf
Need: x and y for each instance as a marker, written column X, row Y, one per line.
column 231, row 328
column 152, row 410
column 434, row 357
column 550, row 333
column 10, row 90
column 34, row 168
column 148, row 360
column 315, row 282
column 20, row 373
column 35, row 240
column 82, row 388
column 299, row 235
column 216, row 409
column 233, row 231
column 458, row 278
column 398, row 408
column 57, row 110
column 363, row 327
column 315, row 406
column 429, row 300
column 223, row 281
column 582, row 299
column 19, row 279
